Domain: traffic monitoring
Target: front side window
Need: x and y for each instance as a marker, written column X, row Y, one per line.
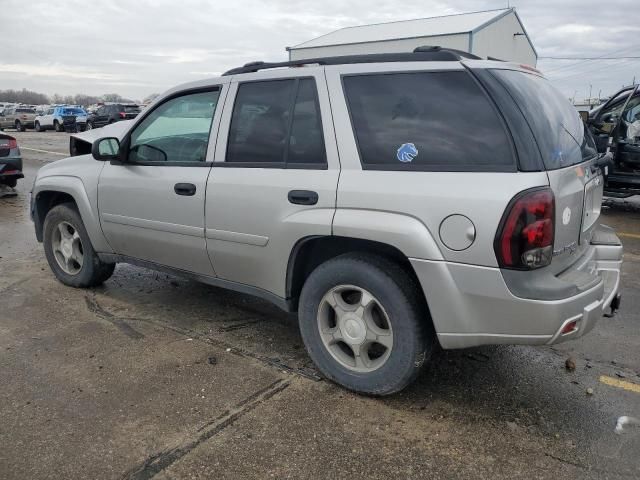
column 176, row 131
column 276, row 123
column 426, row 121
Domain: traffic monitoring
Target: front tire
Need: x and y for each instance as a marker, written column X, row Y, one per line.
column 19, row 126
column 365, row 324
column 56, row 126
column 37, row 127
column 69, row 251
column 89, row 126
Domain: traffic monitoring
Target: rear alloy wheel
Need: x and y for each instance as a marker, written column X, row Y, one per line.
column 69, row 251
column 354, row 328
column 365, row 324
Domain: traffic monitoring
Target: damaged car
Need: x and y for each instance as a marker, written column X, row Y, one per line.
column 616, row 128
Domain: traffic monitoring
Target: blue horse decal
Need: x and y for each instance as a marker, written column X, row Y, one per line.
column 406, row 152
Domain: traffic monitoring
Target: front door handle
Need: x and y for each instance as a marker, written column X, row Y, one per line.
column 303, row 197
column 186, row 189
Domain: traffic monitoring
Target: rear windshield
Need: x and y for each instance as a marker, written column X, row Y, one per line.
column 561, row 134
column 25, row 110
column 72, row 111
column 131, row 109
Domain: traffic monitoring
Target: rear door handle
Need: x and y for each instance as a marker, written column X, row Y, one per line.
column 303, row 197
column 186, row 189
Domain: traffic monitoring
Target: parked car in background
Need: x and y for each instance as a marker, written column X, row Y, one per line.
column 10, row 164
column 112, row 113
column 54, row 117
column 616, row 128
column 460, row 208
column 18, row 117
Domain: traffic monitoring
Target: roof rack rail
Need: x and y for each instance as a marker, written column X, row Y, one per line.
column 420, row 54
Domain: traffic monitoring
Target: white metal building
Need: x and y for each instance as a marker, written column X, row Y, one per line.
column 494, row 33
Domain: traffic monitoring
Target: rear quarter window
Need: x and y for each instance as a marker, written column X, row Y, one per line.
column 561, row 135
column 441, row 121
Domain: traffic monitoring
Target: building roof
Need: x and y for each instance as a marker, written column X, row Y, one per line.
column 421, row 27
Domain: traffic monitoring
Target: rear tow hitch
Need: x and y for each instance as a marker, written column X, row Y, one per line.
column 615, row 305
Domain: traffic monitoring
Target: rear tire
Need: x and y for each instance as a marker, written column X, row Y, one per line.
column 379, row 312
column 89, row 126
column 11, row 182
column 69, row 251
column 19, row 126
column 37, row 127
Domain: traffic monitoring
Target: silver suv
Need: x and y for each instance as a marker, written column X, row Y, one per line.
column 395, row 201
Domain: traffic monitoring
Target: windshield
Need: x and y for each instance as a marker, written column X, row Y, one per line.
column 131, row 109
column 73, row 111
column 25, row 110
column 562, row 136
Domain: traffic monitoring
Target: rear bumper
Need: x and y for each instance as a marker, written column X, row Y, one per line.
column 472, row 305
column 11, row 167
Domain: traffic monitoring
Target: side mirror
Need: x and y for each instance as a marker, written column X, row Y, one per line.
column 149, row 153
column 584, row 115
column 107, row 148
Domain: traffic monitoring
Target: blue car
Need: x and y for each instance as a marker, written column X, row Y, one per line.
column 54, row 118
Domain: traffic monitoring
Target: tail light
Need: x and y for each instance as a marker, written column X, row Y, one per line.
column 123, row 115
column 11, row 143
column 525, row 237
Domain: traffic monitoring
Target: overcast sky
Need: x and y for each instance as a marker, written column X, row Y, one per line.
column 139, row 47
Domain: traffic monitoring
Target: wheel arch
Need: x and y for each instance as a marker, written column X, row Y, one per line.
column 55, row 190
column 309, row 252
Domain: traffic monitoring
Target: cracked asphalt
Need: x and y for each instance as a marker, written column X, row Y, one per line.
column 154, row 376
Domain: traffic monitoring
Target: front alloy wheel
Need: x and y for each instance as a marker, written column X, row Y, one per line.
column 69, row 251
column 67, row 248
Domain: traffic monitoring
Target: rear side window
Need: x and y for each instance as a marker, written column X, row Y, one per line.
column 562, row 137
column 276, row 123
column 426, row 121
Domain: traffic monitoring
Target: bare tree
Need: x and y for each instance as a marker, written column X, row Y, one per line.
column 23, row 96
